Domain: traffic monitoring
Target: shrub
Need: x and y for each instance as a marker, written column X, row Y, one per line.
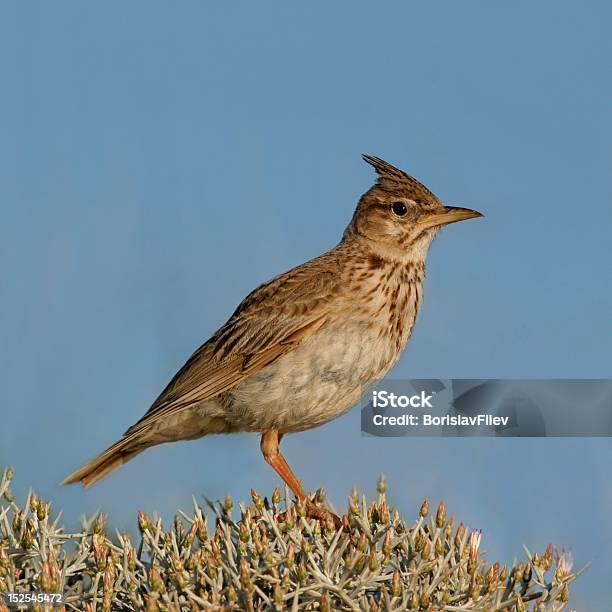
column 269, row 556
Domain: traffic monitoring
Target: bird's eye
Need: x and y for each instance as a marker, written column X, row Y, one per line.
column 399, row 209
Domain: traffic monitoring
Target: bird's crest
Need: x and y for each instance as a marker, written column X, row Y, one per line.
column 392, row 179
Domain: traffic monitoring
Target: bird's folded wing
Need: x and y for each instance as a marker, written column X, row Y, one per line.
column 210, row 371
column 270, row 322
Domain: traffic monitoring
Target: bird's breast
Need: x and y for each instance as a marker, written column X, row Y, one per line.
column 362, row 339
column 389, row 312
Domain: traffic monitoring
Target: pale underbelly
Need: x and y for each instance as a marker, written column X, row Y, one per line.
column 311, row 385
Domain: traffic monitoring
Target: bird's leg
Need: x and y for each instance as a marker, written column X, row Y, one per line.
column 270, row 448
column 271, row 451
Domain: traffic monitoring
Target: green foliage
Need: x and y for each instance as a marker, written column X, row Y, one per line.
column 269, row 556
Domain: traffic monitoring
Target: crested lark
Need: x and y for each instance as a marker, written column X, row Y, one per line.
column 299, row 350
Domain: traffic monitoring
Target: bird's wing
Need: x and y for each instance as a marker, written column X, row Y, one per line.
column 270, row 322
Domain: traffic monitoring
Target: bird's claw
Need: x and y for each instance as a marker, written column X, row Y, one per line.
column 322, row 514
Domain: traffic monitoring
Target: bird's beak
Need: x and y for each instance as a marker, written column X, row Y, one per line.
column 450, row 214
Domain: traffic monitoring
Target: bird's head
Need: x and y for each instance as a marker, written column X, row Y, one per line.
column 398, row 216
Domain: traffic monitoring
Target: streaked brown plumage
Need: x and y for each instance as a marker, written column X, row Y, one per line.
column 299, row 350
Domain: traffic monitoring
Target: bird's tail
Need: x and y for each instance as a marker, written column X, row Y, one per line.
column 111, row 459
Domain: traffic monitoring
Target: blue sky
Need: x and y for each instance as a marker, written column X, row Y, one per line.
column 158, row 161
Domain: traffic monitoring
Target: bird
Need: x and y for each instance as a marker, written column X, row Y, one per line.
column 301, row 349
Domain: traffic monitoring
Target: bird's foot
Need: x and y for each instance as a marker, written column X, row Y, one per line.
column 311, row 510
column 323, row 515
